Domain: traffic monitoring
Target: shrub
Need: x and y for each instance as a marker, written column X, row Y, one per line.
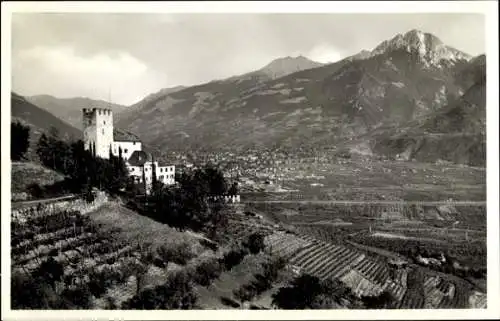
column 31, row 293
column 176, row 293
column 272, row 268
column 97, row 284
column 245, row 293
column 255, row 243
column 179, row 254
column 233, row 258
column 207, row 271
column 80, row 297
column 308, row 292
column 50, row 270
column 382, row 301
column 89, row 195
column 34, row 190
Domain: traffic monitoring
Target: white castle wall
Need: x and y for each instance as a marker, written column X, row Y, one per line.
column 128, row 147
column 164, row 174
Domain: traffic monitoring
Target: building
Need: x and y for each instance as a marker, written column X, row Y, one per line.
column 141, row 161
column 98, row 135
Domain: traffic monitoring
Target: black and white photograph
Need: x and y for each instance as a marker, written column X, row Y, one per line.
column 249, row 160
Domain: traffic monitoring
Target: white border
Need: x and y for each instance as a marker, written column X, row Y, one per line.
column 488, row 8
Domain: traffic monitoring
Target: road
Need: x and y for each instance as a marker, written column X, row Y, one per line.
column 22, row 204
column 352, row 202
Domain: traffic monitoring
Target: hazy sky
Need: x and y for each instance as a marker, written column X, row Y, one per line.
column 133, row 55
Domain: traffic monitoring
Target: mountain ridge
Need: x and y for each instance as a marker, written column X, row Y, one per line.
column 407, row 78
column 70, row 109
column 323, row 105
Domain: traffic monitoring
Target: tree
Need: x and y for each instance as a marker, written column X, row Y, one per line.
column 216, row 181
column 218, row 218
column 153, row 175
column 144, row 180
column 245, row 293
column 381, row 301
column 233, row 257
column 43, row 150
column 50, row 270
column 80, row 297
column 206, row 271
column 299, row 295
column 117, row 175
column 28, row 292
column 19, row 140
column 255, row 243
column 233, row 190
column 176, row 293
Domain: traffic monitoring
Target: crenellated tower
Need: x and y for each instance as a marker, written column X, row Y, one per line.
column 98, row 130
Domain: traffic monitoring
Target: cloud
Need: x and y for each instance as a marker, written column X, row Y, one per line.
column 59, row 69
column 137, row 54
column 325, row 53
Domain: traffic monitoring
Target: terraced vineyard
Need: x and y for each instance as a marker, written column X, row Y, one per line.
column 72, row 240
column 328, row 261
column 411, row 288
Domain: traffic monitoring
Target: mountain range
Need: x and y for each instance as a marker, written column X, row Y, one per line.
column 409, row 97
column 70, row 109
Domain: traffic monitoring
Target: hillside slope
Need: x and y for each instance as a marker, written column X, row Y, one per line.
column 40, row 121
column 457, row 133
column 70, row 109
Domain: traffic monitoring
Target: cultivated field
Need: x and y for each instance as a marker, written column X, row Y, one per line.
column 358, row 179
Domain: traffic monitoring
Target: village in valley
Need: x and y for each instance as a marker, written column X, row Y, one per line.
column 301, row 185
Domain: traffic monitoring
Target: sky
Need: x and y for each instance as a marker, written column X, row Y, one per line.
column 123, row 57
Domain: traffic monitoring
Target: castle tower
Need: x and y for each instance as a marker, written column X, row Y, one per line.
column 98, row 130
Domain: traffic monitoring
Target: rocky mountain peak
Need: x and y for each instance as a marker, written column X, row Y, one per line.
column 429, row 47
column 286, row 65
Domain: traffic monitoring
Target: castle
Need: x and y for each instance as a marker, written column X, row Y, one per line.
column 99, row 135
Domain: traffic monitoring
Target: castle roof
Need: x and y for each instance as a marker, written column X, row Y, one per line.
column 120, row 135
column 139, row 158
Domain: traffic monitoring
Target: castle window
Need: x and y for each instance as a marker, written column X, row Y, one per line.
column 103, row 131
column 126, row 151
column 104, row 122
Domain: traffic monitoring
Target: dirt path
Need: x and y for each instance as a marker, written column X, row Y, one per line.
column 376, row 250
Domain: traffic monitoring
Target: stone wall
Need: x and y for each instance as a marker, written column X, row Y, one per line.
column 20, row 215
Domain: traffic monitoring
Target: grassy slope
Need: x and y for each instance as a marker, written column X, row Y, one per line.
column 26, row 173
column 138, row 229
